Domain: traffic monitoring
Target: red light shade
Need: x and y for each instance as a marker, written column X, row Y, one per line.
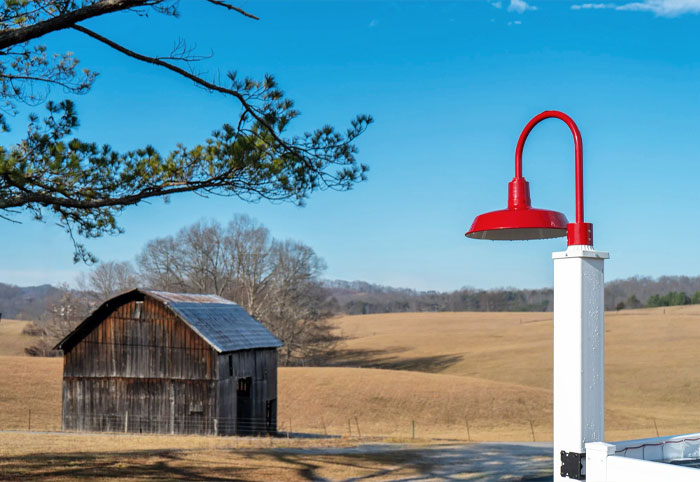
column 520, row 221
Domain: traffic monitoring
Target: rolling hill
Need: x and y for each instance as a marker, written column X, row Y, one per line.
column 443, row 372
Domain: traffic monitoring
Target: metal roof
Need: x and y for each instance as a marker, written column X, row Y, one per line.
column 222, row 323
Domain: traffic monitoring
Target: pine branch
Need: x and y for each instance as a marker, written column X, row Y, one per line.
column 188, row 75
column 67, row 20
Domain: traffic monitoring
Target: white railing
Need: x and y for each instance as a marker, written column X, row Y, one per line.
column 644, row 460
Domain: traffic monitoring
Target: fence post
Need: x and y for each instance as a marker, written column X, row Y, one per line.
column 656, row 428
column 324, row 426
column 349, row 429
column 359, row 434
column 597, row 454
column 469, row 435
column 532, row 429
column 413, row 429
column 126, row 421
column 29, row 422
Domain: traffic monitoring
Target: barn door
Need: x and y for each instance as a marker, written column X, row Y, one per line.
column 244, row 407
column 271, row 416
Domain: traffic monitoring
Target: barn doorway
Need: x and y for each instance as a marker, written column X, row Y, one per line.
column 244, row 407
column 270, row 411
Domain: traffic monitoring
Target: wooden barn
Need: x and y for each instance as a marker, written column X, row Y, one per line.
column 156, row 362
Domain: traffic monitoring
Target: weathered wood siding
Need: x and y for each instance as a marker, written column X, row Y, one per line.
column 261, row 367
column 143, row 361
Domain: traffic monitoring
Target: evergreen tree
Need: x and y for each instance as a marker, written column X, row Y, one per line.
column 85, row 184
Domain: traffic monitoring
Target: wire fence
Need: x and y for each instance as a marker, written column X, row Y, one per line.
column 354, row 426
column 131, row 423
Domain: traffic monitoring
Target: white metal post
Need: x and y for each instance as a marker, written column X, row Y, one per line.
column 578, row 351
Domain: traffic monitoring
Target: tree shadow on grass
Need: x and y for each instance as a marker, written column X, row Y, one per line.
column 390, row 359
column 523, row 462
column 134, row 465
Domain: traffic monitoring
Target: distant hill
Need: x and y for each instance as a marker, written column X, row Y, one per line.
column 361, row 297
column 29, row 302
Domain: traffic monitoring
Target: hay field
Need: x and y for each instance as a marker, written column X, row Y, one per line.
column 652, row 357
column 350, row 402
column 12, row 341
column 464, row 376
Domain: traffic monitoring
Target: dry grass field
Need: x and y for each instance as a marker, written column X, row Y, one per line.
column 333, row 401
column 114, row 457
column 652, row 357
column 443, row 372
column 12, row 341
column 448, row 376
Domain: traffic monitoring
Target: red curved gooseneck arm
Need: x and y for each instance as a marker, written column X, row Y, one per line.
column 578, row 232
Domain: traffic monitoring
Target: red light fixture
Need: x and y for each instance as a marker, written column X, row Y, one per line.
column 520, row 221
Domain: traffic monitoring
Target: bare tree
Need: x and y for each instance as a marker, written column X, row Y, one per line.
column 159, row 265
column 204, row 261
column 108, row 279
column 60, row 320
column 297, row 308
column 250, row 244
column 197, row 260
column 277, row 282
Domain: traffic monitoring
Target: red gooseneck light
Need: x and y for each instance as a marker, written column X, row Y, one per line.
column 520, row 221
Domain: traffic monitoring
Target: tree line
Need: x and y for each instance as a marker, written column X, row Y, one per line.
column 636, row 292
column 280, row 283
column 359, row 297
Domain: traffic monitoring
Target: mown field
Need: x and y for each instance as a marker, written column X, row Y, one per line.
column 652, row 357
column 115, row 457
column 459, row 376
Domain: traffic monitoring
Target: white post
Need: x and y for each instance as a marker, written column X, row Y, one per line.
column 578, row 351
column 597, row 454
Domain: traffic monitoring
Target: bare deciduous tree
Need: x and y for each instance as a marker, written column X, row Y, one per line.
column 108, row 279
column 297, row 310
column 195, row 260
column 277, row 282
column 60, row 319
column 250, row 244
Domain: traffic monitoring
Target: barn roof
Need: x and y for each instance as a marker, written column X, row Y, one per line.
column 223, row 324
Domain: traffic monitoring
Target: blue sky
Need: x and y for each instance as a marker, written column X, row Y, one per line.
column 450, row 85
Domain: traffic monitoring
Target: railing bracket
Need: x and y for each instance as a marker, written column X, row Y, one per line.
column 572, row 465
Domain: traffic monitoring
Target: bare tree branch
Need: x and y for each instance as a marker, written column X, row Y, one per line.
column 231, row 7
column 66, row 20
column 198, row 80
